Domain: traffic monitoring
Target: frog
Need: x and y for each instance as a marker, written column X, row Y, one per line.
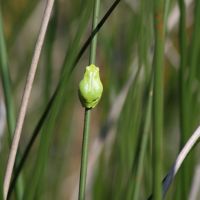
column 90, row 87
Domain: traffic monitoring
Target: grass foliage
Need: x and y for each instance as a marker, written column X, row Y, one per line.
column 148, row 58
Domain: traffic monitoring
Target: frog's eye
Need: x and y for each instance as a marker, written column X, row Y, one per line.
column 90, row 87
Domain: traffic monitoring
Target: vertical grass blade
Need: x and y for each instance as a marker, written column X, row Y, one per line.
column 10, row 112
column 92, row 57
column 158, row 65
column 84, row 156
column 195, row 43
column 25, row 98
column 184, row 115
column 50, row 39
column 85, row 142
column 145, row 137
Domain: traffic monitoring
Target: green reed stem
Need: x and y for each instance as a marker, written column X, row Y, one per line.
column 50, row 40
column 84, row 157
column 166, row 11
column 194, row 53
column 145, row 137
column 158, row 65
column 10, row 111
column 187, row 97
column 94, row 24
column 183, row 60
column 184, row 115
column 85, row 142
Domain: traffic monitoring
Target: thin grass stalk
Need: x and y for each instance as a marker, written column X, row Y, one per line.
column 184, row 115
column 185, row 151
column 84, row 156
column 195, row 43
column 85, row 142
column 193, row 69
column 92, row 57
column 158, row 64
column 127, row 140
column 186, row 89
column 25, row 98
column 10, row 111
column 138, row 181
column 50, row 104
column 50, row 39
column 166, row 11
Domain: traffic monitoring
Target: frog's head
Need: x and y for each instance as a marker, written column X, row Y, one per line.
column 91, row 72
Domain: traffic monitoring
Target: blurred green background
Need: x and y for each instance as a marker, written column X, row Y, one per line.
column 121, row 124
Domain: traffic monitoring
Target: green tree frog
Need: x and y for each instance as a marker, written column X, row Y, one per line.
column 90, row 87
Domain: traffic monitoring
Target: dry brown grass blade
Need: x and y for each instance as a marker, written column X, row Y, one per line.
column 26, row 96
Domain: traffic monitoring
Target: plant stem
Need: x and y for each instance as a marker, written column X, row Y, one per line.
column 94, row 24
column 84, row 156
column 166, row 11
column 185, row 151
column 184, row 115
column 145, row 137
column 50, row 40
column 25, row 98
column 85, row 142
column 158, row 98
column 195, row 43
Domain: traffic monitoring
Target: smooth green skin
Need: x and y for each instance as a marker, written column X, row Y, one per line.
column 90, row 87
